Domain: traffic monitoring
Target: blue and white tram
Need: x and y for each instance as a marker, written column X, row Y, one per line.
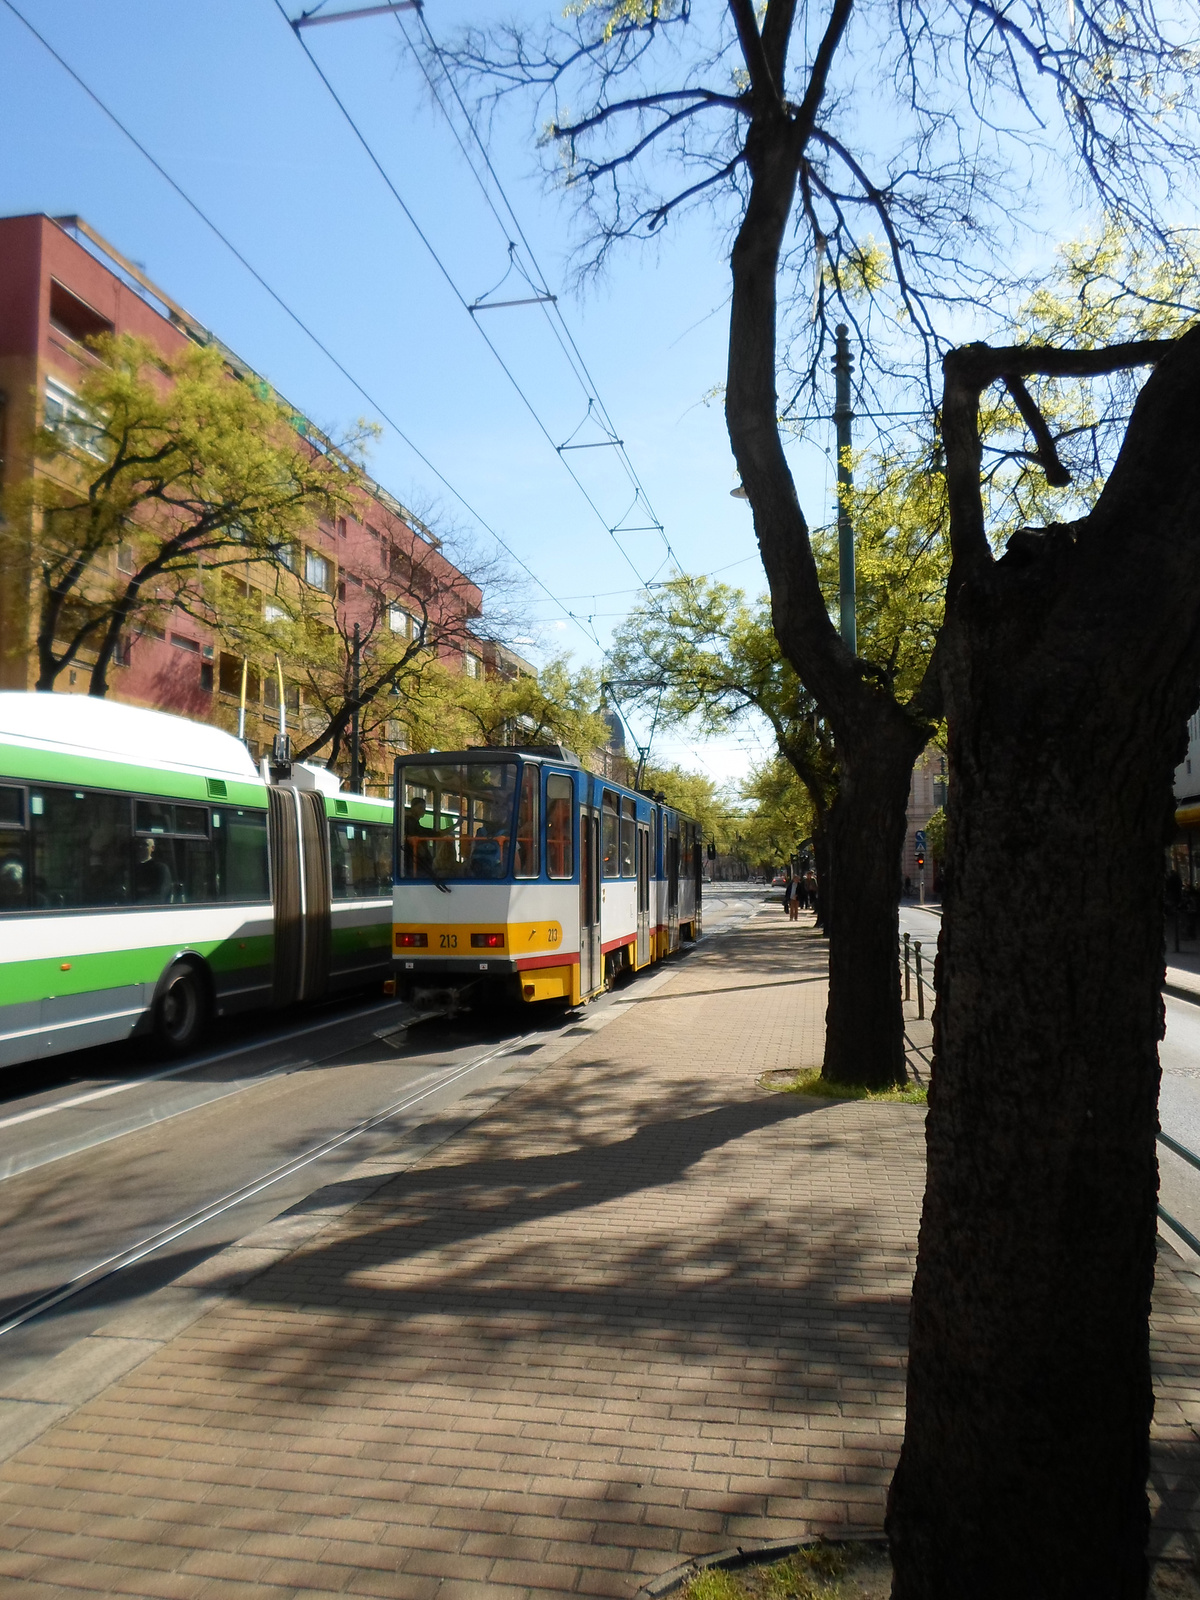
column 517, row 868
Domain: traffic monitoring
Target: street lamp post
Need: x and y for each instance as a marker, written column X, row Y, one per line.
column 842, row 417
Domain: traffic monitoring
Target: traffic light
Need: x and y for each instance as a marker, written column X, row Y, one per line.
column 920, row 858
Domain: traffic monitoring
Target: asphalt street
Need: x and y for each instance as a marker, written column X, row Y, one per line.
column 102, row 1150
column 1179, row 1094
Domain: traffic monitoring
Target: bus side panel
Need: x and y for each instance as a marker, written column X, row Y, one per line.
column 361, row 942
column 89, row 979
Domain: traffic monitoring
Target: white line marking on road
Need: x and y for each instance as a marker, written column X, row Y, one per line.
column 179, row 1070
column 155, row 1241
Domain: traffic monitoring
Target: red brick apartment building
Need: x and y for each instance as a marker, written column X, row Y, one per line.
column 61, row 283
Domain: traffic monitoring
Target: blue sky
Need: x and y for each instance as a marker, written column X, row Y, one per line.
column 222, row 95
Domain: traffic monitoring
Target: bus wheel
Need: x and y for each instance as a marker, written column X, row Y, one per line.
column 181, row 1011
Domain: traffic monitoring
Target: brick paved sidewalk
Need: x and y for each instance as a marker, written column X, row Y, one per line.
column 638, row 1310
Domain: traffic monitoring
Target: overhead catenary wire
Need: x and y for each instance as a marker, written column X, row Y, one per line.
column 550, row 304
column 459, row 295
column 295, row 317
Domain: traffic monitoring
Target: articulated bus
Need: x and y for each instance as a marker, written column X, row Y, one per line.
column 151, row 877
column 519, row 872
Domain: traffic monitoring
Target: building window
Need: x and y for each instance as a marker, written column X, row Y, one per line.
column 473, row 665
column 65, row 416
column 398, row 620
column 318, row 571
column 125, row 559
column 182, row 642
column 73, row 316
column 273, row 613
column 287, row 556
column 206, row 676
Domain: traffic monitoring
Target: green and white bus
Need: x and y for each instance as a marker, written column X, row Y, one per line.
column 150, row 878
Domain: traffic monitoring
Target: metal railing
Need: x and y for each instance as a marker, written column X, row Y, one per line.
column 914, row 971
column 914, row 967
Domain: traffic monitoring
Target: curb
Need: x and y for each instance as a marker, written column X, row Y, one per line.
column 753, row 1553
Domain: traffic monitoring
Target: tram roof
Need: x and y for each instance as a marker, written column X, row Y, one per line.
column 77, row 724
column 493, row 752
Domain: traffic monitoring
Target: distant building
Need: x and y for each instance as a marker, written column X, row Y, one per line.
column 927, row 792
column 61, row 284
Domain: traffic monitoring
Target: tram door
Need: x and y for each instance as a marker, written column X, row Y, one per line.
column 673, row 889
column 643, row 894
column 591, row 962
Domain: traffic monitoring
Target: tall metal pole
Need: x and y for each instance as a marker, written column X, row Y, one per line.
column 354, row 744
column 842, row 417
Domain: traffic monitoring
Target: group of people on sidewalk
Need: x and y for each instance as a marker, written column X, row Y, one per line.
column 799, row 893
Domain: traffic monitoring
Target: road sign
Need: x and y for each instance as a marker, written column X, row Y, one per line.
column 919, row 841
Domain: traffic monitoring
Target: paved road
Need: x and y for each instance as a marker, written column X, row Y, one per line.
column 1179, row 1096
column 102, row 1149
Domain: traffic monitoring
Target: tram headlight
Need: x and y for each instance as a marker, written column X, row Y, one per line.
column 487, row 941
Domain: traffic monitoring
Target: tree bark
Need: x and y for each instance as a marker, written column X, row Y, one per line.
column 864, row 1021
column 865, row 1036
column 1069, row 668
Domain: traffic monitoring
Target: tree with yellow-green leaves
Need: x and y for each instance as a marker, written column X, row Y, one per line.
column 368, row 660
column 1065, row 666
column 173, row 466
column 450, row 710
column 782, row 816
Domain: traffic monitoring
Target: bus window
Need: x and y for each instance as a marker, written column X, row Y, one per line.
column 173, row 855
column 240, row 847
column 610, row 835
column 80, row 848
column 628, row 838
column 360, row 858
column 526, row 863
column 14, row 860
column 560, row 825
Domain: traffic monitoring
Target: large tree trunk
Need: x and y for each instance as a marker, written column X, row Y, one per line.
column 1069, row 668
column 864, row 1023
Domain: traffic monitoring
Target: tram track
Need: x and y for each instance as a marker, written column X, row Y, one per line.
column 161, row 1237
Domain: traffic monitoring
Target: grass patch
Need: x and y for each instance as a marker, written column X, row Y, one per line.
column 820, row 1572
column 912, row 1094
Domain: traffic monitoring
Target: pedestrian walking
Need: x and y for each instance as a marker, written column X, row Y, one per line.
column 793, row 899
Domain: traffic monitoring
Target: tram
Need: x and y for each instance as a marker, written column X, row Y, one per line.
column 151, row 877
column 520, row 872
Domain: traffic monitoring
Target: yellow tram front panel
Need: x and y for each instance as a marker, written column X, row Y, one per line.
column 502, row 940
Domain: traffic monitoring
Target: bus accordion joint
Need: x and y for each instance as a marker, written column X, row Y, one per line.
column 488, row 941
column 411, row 941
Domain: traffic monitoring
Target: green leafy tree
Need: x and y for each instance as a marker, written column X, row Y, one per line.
column 451, row 710
column 721, row 819
column 782, row 818
column 1064, row 668
column 168, row 466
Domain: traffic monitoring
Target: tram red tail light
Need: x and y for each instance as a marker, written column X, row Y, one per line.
column 488, row 941
column 411, row 941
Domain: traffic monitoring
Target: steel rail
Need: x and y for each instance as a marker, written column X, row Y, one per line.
column 134, row 1253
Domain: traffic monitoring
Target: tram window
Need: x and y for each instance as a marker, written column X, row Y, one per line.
column 457, row 819
column 628, row 838
column 610, row 835
column 14, row 851
column 560, row 825
column 360, row 858
column 525, row 864
column 173, row 855
column 81, row 849
column 240, row 848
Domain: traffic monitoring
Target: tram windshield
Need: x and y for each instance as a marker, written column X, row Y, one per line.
column 457, row 819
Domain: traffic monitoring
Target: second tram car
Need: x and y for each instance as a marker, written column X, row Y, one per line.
column 519, row 869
